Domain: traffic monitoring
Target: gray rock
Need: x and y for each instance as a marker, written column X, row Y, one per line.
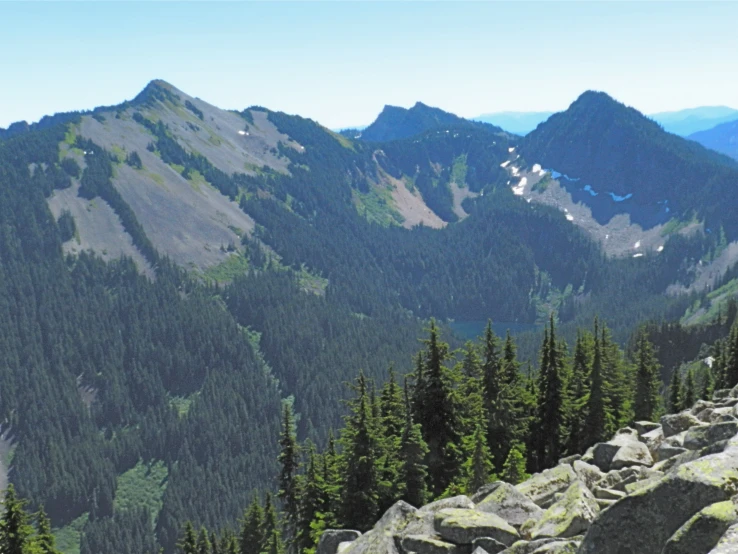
column 734, row 392
column 588, row 474
column 645, row 520
column 604, row 503
column 608, row 494
column 528, row 547
column 728, row 543
column 460, row 501
column 701, row 405
column 670, row 465
column 342, row 547
column 700, row 437
column 480, row 550
column 422, row 544
column 488, row 544
column 703, row 530
column 558, row 547
column 332, row 538
column 653, row 440
column 570, row 459
column 673, row 424
column 511, row 505
column 541, row 487
column 381, row 537
column 623, row 450
column 643, row 427
column 461, row 526
column 570, row 516
column 484, row 491
column 676, row 440
column 666, row 451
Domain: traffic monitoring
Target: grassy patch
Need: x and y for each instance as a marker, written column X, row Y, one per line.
column 119, row 153
column 542, row 185
column 197, row 181
column 142, row 486
column 310, row 282
column 227, row 270
column 377, row 206
column 675, row 225
column 182, row 404
column 69, row 536
column 158, row 179
column 458, row 171
column 343, row 141
column 717, row 303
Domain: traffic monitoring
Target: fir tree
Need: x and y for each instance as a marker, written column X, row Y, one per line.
column 313, row 502
column 15, row 531
column 597, row 414
column 690, row 394
column 513, row 471
column 188, row 545
column 203, row 542
column 578, row 391
column 270, row 523
column 289, row 465
column 251, row 537
column 647, row 380
column 392, row 407
column 413, row 471
column 675, row 392
column 731, row 359
column 478, row 469
column 45, row 539
column 360, row 448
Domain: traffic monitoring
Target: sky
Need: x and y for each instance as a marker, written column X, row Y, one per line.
column 340, row 62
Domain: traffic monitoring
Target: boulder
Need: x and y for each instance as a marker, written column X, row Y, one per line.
column 480, row 550
column 462, row 526
column 570, row 459
column 671, row 464
column 558, row 547
column 676, row 440
column 604, row 503
column 541, row 487
column 484, row 491
column 644, row 521
column 666, row 451
column 528, row 547
column 734, row 392
column 570, row 516
column 460, row 501
column 423, row 544
column 700, row 437
column 643, row 427
column 488, row 544
column 331, row 539
column 511, row 505
column 703, row 530
column 653, row 440
column 422, row 522
column 381, row 537
column 728, row 543
column 673, row 424
column 588, row 474
column 624, row 450
column 608, row 494
column 342, row 547
column 720, row 394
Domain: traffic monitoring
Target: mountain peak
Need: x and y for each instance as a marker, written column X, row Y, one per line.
column 158, row 89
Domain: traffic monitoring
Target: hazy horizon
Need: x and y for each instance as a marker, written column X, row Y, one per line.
column 341, row 63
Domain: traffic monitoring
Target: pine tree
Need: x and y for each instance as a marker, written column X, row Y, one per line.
column 289, row 466
column 731, row 359
column 708, row 385
column 270, row 523
column 690, row 393
column 597, row 412
column 251, row 537
column 675, row 392
column 313, row 502
column 15, row 531
column 188, row 545
column 513, row 470
column 647, row 380
column 360, row 450
column 578, row 391
column 203, row 542
column 45, row 540
column 437, row 416
column 413, row 471
column 478, row 469
column 392, row 407
column 274, row 543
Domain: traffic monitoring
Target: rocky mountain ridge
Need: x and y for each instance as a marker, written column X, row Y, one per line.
column 669, row 487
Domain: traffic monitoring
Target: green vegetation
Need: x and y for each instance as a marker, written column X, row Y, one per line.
column 142, row 486
column 542, row 184
column 68, row 537
column 378, row 206
column 233, row 266
column 459, row 170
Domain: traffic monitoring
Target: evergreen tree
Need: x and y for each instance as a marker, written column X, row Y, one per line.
column 675, row 392
column 578, row 391
column 392, row 407
column 45, row 539
column 251, row 537
column 437, row 415
column 270, row 523
column 478, row 468
column 15, row 531
column 690, row 393
column 597, row 412
column 360, row 495
column 188, row 545
column 413, row 471
column 203, row 542
column 274, row 543
column 731, row 359
column 708, row 384
column 513, row 471
column 647, row 380
column 313, row 502
column 289, row 465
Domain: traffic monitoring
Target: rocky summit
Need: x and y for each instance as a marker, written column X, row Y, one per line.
column 658, row 488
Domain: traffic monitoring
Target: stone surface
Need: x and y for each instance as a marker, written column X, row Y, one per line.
column 703, row 530
column 485, row 490
column 588, row 474
column 422, row 544
column 570, row 516
column 608, row 494
column 645, row 520
column 643, row 427
column 653, row 440
column 666, row 451
column 381, row 537
column 332, row 538
column 462, row 526
column 624, row 450
column 700, row 437
column 673, row 424
column 511, row 505
column 528, row 547
column 490, row 545
column 728, row 543
column 541, row 487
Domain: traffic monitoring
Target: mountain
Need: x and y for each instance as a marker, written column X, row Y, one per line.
column 612, row 151
column 396, row 123
column 721, row 138
column 519, row 123
column 693, row 120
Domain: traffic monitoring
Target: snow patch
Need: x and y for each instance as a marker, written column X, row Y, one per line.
column 640, row 254
column 505, row 164
column 511, row 149
column 537, row 168
column 660, row 248
column 637, row 244
column 519, row 189
column 242, row 133
column 570, row 217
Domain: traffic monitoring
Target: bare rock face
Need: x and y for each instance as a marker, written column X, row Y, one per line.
column 542, row 487
column 511, row 505
column 703, row 530
column 624, row 450
column 462, row 526
column 674, row 424
column 570, row 516
column 331, row 539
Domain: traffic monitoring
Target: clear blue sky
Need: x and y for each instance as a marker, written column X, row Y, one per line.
column 339, row 63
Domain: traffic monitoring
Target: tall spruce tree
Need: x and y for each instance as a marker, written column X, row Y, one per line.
column 731, row 359
column 359, row 503
column 578, row 390
column 437, row 416
column 597, row 412
column 690, row 393
column 289, row 465
column 513, row 471
column 675, row 392
column 647, row 380
column 478, row 469
column 413, row 451
column 15, row 532
column 45, row 540
column 188, row 545
column 251, row 537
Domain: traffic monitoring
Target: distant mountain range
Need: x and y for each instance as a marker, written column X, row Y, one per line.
column 520, row 123
column 693, row 120
column 722, row 138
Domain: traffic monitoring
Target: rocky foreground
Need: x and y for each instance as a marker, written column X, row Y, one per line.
column 661, row 488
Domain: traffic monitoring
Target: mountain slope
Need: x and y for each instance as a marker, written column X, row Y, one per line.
column 722, row 138
column 615, row 150
column 398, row 123
column 693, row 120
